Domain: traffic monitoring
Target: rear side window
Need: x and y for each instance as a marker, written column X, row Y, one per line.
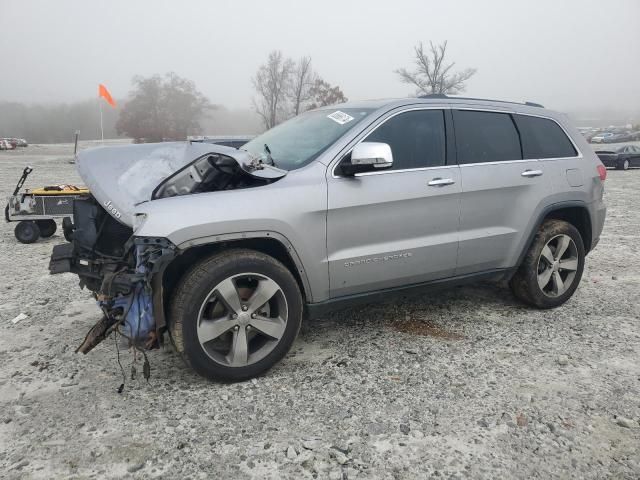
column 485, row 137
column 543, row 138
column 417, row 139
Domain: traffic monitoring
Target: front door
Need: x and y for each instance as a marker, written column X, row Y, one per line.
column 397, row 226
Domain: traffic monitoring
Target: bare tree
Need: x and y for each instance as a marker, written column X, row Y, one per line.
column 323, row 94
column 303, row 80
column 272, row 82
column 432, row 74
column 286, row 88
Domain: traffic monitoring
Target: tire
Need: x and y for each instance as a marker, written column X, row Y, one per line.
column 625, row 164
column 198, row 309
column 67, row 229
column 47, row 227
column 27, row 231
column 559, row 277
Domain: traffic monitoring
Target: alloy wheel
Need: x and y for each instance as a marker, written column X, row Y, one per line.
column 242, row 319
column 557, row 265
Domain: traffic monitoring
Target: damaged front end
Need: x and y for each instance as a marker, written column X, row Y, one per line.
column 123, row 272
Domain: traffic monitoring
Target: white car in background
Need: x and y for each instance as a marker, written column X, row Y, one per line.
column 602, row 137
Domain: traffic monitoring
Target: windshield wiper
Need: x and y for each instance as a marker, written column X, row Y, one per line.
column 269, row 157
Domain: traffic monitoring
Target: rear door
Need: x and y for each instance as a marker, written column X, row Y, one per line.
column 545, row 140
column 398, row 226
column 501, row 191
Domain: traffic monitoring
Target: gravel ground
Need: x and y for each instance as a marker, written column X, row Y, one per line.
column 462, row 384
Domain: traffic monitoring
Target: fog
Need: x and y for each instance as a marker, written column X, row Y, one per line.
column 578, row 56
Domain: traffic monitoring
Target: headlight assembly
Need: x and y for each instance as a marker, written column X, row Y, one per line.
column 138, row 221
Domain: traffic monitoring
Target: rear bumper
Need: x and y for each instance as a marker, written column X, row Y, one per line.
column 598, row 216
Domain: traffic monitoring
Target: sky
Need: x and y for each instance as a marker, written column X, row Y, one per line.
column 565, row 54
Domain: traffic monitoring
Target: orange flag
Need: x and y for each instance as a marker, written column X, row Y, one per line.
column 104, row 93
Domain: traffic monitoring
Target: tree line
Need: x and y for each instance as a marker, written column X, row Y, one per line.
column 55, row 123
column 170, row 107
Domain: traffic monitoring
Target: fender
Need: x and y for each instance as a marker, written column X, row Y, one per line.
column 259, row 234
column 543, row 214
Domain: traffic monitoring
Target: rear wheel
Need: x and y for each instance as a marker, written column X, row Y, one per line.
column 552, row 268
column 47, row 227
column 625, row 164
column 235, row 315
column 27, row 231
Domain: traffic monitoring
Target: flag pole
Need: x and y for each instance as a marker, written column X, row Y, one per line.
column 101, row 127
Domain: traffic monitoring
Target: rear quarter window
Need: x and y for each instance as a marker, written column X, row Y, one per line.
column 543, row 138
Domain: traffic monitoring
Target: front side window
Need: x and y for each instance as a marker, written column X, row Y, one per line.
column 297, row 142
column 485, row 137
column 417, row 139
column 543, row 138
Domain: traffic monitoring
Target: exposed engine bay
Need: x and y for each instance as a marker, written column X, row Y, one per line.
column 209, row 173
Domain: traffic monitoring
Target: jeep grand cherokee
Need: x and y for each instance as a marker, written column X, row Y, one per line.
column 226, row 249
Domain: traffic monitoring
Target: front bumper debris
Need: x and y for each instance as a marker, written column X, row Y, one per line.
column 124, row 289
column 61, row 256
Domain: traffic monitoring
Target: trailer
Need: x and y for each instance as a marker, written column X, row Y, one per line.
column 37, row 210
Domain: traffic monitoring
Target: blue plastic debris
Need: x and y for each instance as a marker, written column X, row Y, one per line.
column 139, row 322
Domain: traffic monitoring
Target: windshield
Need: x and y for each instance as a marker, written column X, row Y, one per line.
column 299, row 141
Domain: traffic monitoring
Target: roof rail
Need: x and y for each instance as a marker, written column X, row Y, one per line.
column 435, row 95
column 443, row 95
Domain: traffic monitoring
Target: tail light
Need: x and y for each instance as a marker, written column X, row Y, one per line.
column 602, row 171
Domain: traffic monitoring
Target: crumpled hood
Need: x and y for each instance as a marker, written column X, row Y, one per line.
column 121, row 177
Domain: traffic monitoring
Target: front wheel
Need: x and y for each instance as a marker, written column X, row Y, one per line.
column 552, row 268
column 235, row 315
column 625, row 164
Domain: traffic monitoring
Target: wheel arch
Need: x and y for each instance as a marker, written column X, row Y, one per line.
column 269, row 243
column 575, row 213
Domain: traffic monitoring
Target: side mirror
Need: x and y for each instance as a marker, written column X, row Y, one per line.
column 367, row 157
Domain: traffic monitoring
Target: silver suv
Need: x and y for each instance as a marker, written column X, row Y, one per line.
column 228, row 249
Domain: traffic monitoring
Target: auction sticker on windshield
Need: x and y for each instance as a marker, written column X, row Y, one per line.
column 340, row 117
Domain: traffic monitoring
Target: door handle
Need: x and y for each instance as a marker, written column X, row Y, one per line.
column 440, row 182
column 531, row 173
